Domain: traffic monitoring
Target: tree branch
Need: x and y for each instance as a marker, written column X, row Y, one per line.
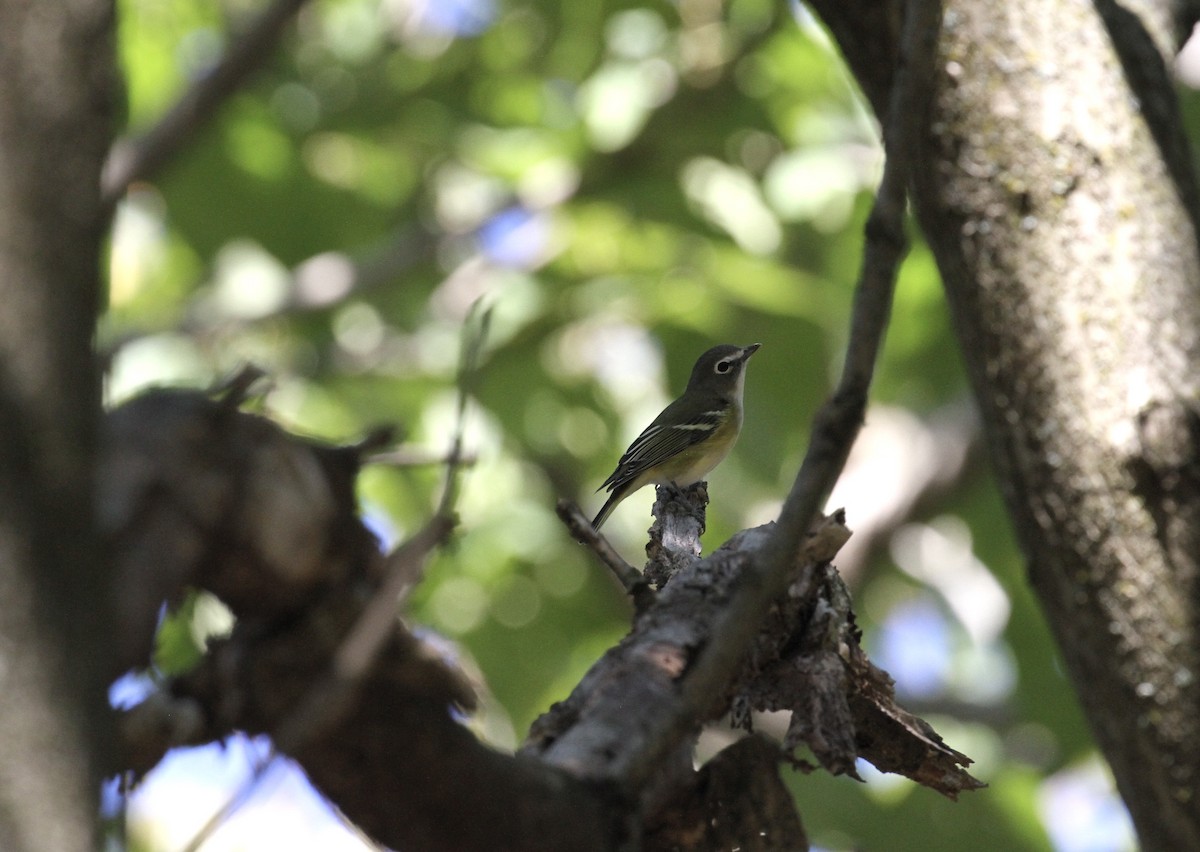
column 198, row 493
column 306, row 665
column 769, row 573
column 581, row 529
column 674, row 537
column 610, row 720
column 140, row 158
column 1065, row 234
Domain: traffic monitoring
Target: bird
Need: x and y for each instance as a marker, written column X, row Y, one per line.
column 692, row 435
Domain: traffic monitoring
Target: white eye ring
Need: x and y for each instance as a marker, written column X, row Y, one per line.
column 723, row 366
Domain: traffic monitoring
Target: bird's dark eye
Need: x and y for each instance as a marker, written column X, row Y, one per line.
column 723, row 366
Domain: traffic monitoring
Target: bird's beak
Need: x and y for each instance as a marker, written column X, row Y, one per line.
column 747, row 351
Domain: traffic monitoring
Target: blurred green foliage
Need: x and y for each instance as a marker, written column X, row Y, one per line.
column 625, row 184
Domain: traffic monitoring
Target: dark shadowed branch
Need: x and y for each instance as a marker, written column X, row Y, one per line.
column 330, row 697
column 142, row 157
column 300, row 572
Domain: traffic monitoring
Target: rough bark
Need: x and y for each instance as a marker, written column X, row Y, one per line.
column 392, row 757
column 805, row 659
column 56, row 104
column 1058, row 198
column 196, row 493
column 737, row 801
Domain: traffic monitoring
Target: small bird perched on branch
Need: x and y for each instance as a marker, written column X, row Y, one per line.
column 692, row 435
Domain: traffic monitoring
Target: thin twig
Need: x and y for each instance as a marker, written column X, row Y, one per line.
column 330, row 696
column 838, row 421
column 582, row 531
column 468, row 371
column 238, row 798
column 417, row 457
column 362, row 644
column 137, row 159
column 403, row 568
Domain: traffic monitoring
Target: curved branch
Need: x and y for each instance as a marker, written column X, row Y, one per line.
column 140, row 158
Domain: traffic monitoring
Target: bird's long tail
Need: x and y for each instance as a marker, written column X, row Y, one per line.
column 611, row 503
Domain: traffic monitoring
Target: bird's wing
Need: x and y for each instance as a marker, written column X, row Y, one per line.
column 661, row 440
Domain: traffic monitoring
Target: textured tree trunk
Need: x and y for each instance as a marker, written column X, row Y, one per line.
column 56, row 61
column 1056, row 192
column 1055, row 189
